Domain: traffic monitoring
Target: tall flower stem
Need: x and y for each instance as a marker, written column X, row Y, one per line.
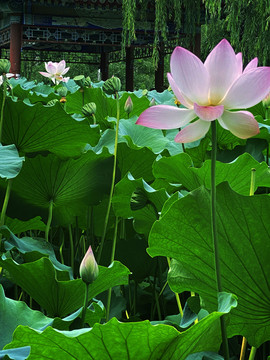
column 113, row 179
column 85, row 304
column 252, row 353
column 5, row 204
column 48, row 225
column 177, row 297
column 3, row 105
column 214, row 234
column 112, row 259
column 71, row 247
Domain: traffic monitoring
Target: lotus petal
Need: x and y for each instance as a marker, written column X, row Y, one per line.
column 165, row 117
column 241, row 123
column 190, row 75
column 193, row 132
column 223, row 68
column 249, row 89
column 208, row 113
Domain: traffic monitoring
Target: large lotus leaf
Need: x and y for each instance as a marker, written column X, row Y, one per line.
column 130, row 158
column 14, row 313
column 34, row 128
column 178, row 169
column 10, row 161
column 137, row 162
column 65, row 182
column 126, row 341
column 60, row 298
column 145, row 216
column 18, row 226
column 184, row 233
column 15, row 354
column 106, row 106
column 135, row 136
column 94, row 313
column 142, row 136
column 165, row 98
column 26, row 245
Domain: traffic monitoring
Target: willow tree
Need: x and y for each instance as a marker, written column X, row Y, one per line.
column 245, row 23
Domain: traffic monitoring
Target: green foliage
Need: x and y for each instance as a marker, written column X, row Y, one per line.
column 58, row 202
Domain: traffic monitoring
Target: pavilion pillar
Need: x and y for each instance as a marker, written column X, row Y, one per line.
column 104, row 65
column 15, row 45
column 129, row 69
column 159, row 73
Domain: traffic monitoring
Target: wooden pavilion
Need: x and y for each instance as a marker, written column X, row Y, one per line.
column 33, row 30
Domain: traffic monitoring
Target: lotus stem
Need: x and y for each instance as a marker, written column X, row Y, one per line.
column 214, row 234
column 112, row 259
column 5, row 204
column 48, row 226
column 85, row 305
column 252, row 182
column 243, row 349
column 71, row 247
column 177, row 297
column 252, row 353
column 113, row 180
column 3, row 106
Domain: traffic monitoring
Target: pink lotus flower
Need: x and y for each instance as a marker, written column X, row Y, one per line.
column 208, row 91
column 55, row 71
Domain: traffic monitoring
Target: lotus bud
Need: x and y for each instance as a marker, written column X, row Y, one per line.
column 112, row 85
column 152, row 102
column 128, row 105
column 266, row 101
column 88, row 82
column 89, row 109
column 62, row 91
column 52, row 102
column 144, row 92
column 89, row 267
column 4, row 66
column 79, row 80
column 138, row 199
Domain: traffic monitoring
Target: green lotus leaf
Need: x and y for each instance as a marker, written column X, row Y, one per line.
column 115, row 340
column 34, row 128
column 60, row 297
column 184, row 233
column 14, row 313
column 179, row 169
column 10, row 161
column 145, row 215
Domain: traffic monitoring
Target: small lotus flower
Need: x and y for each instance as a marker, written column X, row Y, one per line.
column 89, row 267
column 128, row 107
column 55, row 71
column 208, row 91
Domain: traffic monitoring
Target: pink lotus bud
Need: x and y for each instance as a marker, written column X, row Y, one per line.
column 128, row 105
column 152, row 102
column 89, row 267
